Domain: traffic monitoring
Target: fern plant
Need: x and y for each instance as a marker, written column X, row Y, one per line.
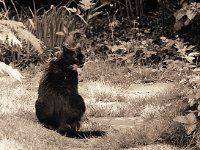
column 21, row 45
column 14, row 33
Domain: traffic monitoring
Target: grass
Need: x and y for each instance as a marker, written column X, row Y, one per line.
column 102, row 91
column 19, row 124
column 157, row 110
column 106, row 91
column 144, row 134
column 127, row 75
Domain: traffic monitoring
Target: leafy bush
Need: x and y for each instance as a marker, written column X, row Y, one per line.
column 147, row 52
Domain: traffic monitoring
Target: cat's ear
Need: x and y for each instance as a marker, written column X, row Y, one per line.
column 65, row 49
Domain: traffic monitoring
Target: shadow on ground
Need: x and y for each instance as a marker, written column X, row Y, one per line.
column 86, row 134
column 78, row 135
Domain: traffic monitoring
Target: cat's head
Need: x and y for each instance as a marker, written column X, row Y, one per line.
column 73, row 57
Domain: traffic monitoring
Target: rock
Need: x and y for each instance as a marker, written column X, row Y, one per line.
column 152, row 90
column 119, row 122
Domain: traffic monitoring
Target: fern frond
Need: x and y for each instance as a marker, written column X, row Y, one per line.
column 12, row 24
column 14, row 33
column 13, row 73
column 28, row 36
column 86, row 4
column 6, row 35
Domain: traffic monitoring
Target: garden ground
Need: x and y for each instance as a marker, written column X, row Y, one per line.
column 134, row 116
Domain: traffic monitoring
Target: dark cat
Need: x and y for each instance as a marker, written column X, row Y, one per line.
column 59, row 106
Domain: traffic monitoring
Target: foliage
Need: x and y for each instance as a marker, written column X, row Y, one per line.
column 184, row 51
column 146, row 51
column 18, row 45
column 190, row 118
column 50, row 27
column 189, row 121
column 89, row 10
column 4, row 10
column 59, row 25
column 189, row 72
column 14, row 33
column 13, row 73
column 186, row 14
column 124, row 42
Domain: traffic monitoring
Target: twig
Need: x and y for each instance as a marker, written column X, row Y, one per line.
column 15, row 8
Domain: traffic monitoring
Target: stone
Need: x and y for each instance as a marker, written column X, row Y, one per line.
column 119, row 122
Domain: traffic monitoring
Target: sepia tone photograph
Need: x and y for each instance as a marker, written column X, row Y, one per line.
column 99, row 74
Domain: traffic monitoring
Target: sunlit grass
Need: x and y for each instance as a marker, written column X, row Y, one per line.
column 105, row 99
column 9, row 144
column 19, row 124
column 101, row 91
column 156, row 126
column 15, row 96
